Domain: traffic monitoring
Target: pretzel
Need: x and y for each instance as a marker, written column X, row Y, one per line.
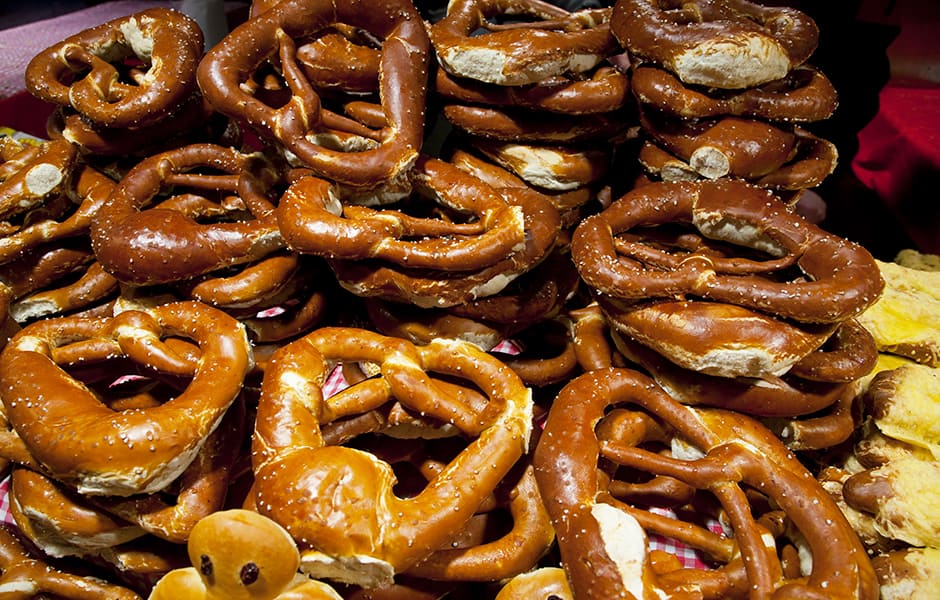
column 548, row 166
column 804, row 94
column 552, row 42
column 272, row 33
column 240, row 554
column 727, row 44
column 716, row 338
column 603, row 546
column 32, row 174
column 436, row 288
column 92, row 288
column 604, row 89
column 770, row 396
column 314, row 221
column 848, row 355
column 291, row 461
column 121, row 452
column 840, row 278
column 24, row 575
column 129, row 72
column 545, row 582
column 135, row 244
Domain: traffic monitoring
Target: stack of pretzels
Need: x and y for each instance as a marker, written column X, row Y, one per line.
column 360, row 304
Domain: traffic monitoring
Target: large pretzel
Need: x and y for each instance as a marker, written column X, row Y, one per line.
column 88, row 72
column 603, row 545
column 81, row 441
column 271, row 34
column 140, row 244
column 337, row 502
column 553, row 42
column 313, row 220
column 805, row 94
column 839, row 279
column 728, row 44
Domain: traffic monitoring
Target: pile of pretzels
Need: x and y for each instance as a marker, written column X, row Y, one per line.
column 357, row 304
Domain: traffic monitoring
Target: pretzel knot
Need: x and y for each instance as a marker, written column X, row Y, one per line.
column 798, row 271
column 314, row 221
column 727, row 44
column 219, row 215
column 274, row 35
column 339, row 502
column 621, row 418
column 79, row 440
column 89, row 71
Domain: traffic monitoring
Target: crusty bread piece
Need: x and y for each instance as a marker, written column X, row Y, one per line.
column 904, row 404
column 906, row 319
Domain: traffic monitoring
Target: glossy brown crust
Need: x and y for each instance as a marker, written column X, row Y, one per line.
column 20, row 570
column 143, row 244
column 509, row 123
column 335, row 60
column 841, row 280
column 804, row 95
column 271, row 35
column 167, row 76
column 553, row 42
column 292, row 462
column 849, row 355
column 313, row 220
column 32, row 174
column 734, row 451
column 150, row 447
column 729, row 44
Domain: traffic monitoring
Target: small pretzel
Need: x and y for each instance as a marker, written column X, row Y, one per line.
column 840, row 278
column 805, row 94
column 121, row 452
column 166, row 243
column 314, row 221
column 294, row 467
column 272, row 33
column 555, row 43
column 430, row 288
column 87, row 71
column 24, row 576
column 603, row 547
column 607, row 89
column 727, row 44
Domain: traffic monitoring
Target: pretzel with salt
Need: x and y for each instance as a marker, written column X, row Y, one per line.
column 272, row 35
column 835, row 278
column 603, row 547
column 79, row 440
column 291, row 460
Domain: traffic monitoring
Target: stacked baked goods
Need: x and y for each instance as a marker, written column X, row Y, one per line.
column 358, row 305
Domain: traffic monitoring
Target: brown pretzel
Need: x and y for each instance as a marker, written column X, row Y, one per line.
column 22, row 575
column 240, row 554
column 840, row 278
column 545, row 583
column 717, row 338
column 728, row 44
column 820, row 431
column 272, row 33
column 546, row 166
column 606, row 89
column 805, row 94
column 314, row 221
column 94, row 287
column 552, row 42
column 166, row 243
column 121, row 452
column 291, row 461
column 848, row 355
column 769, row 396
column 32, row 174
column 603, row 547
column 88, row 71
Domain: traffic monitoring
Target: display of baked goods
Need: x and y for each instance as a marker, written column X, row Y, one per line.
column 516, row 304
